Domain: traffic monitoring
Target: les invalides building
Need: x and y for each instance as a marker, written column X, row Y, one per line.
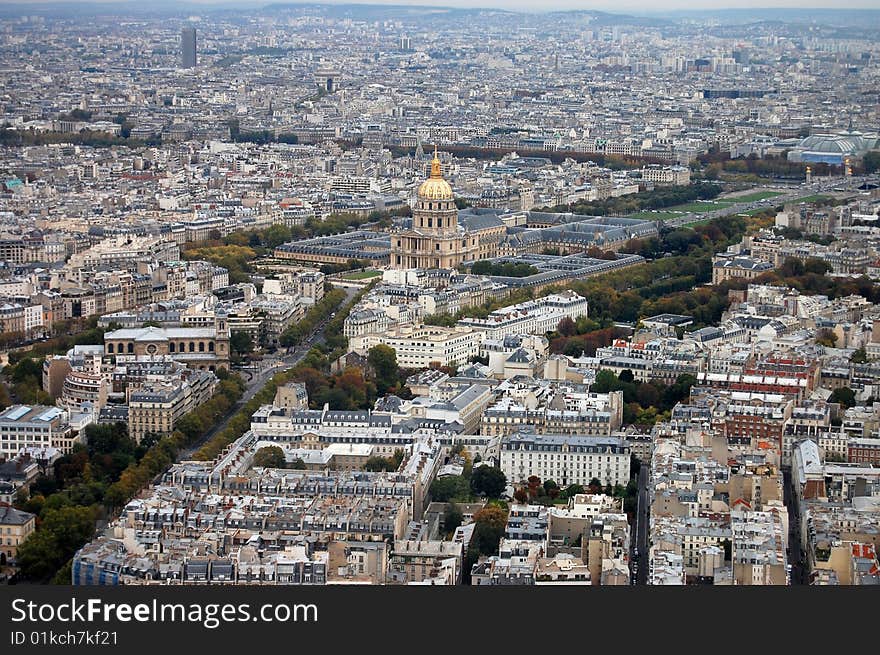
column 436, row 240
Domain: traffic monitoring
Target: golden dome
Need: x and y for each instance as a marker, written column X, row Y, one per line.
column 435, row 187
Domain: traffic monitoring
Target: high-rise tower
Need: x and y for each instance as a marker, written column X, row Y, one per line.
column 188, row 47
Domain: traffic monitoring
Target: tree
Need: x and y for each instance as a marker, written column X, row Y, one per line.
column 489, row 524
column 521, row 496
column 298, row 464
column 241, row 343
column 605, row 381
column 871, row 161
column 826, row 337
column 270, row 457
column 817, row 266
column 62, row 532
column 626, row 376
column 488, row 481
column 843, row 395
column 859, row 356
column 450, row 487
column 383, row 359
column 567, row 327
column 452, row 517
column 573, row 490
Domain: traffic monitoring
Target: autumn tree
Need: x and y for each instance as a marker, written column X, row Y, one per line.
column 489, row 524
column 567, row 327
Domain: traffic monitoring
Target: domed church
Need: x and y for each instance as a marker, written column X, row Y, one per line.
column 436, row 240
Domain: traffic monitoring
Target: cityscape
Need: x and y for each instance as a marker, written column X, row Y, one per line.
column 335, row 294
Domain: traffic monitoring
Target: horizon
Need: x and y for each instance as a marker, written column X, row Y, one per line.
column 526, row 6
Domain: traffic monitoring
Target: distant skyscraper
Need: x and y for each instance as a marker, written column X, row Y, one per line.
column 188, row 47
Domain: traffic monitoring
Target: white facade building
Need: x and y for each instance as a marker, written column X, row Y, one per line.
column 566, row 459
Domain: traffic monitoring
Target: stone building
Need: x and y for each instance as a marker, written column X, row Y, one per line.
column 435, row 240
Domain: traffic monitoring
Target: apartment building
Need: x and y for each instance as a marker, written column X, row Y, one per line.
column 566, row 459
column 532, row 317
column 424, row 346
column 15, row 527
column 38, row 426
column 155, row 407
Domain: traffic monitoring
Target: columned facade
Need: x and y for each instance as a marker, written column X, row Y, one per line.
column 435, row 240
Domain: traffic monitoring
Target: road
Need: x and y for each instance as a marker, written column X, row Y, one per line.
column 639, row 563
column 256, row 380
column 795, row 555
column 823, row 185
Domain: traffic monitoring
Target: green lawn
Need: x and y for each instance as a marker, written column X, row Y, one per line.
column 754, row 197
column 361, row 275
column 754, row 212
column 702, row 206
column 655, row 216
column 813, row 198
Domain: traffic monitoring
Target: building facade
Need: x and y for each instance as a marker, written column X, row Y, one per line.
column 566, row 459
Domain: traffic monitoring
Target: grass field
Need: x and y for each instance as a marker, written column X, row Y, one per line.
column 754, row 197
column 813, row 198
column 754, row 212
column 702, row 206
column 655, row 216
column 361, row 275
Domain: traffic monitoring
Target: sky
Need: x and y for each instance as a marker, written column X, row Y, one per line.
column 547, row 5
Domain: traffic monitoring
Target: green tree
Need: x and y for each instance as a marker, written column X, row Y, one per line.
column 871, row 161
column 452, row 517
column 241, row 343
column 488, row 481
column 843, row 395
column 298, row 464
column 450, row 487
column 859, row 356
column 61, row 533
column 573, row 490
column 270, row 457
column 383, row 359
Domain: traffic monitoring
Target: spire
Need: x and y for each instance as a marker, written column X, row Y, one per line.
column 435, row 165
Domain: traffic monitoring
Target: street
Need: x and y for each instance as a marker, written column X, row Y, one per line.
column 639, row 555
column 795, row 556
column 257, row 380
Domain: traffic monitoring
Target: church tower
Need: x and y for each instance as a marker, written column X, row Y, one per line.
column 435, row 239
